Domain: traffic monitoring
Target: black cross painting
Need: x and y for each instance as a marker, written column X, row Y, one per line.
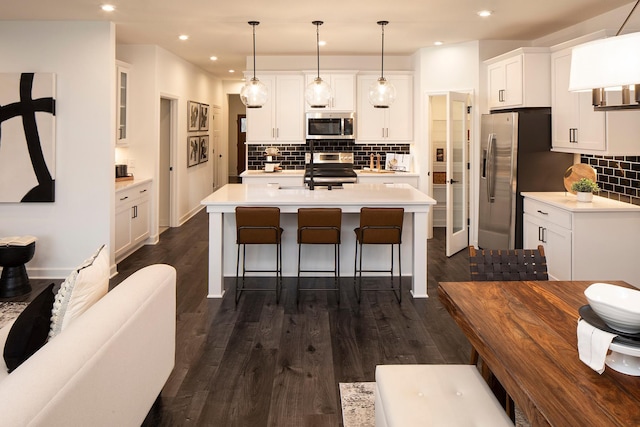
column 27, row 137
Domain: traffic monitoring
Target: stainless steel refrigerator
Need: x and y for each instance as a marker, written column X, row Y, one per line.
column 515, row 157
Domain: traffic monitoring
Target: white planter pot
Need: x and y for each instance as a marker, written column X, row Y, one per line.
column 584, row 197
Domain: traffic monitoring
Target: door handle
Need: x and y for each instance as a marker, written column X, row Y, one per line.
column 541, row 234
column 501, row 95
column 453, row 181
column 490, row 178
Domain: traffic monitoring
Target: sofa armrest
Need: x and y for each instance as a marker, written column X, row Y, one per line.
column 108, row 367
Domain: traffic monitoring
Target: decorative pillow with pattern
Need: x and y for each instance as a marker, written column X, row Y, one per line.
column 84, row 286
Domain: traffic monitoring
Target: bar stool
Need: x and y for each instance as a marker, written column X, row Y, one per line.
column 379, row 226
column 258, row 226
column 320, row 226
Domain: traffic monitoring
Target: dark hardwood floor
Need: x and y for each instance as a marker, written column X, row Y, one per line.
column 268, row 364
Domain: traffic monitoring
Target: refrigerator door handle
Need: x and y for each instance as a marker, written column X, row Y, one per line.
column 489, row 169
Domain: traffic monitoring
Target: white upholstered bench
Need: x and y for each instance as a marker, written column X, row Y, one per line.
column 435, row 395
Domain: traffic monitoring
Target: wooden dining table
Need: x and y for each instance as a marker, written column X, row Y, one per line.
column 526, row 333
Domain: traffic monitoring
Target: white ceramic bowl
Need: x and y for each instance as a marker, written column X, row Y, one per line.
column 619, row 307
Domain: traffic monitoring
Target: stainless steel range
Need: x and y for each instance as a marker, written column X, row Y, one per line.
column 329, row 169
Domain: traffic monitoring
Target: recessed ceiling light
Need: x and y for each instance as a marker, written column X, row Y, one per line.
column 232, row 71
column 108, row 7
column 213, row 58
column 183, row 37
column 438, row 43
column 484, row 13
column 322, row 43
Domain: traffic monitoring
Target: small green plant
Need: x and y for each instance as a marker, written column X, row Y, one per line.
column 585, row 185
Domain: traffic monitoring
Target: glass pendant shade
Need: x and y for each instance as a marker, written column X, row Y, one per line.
column 254, row 93
column 318, row 92
column 382, row 93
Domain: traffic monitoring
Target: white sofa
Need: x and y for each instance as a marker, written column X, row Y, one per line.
column 107, row 367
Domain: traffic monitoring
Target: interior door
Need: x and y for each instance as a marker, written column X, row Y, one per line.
column 457, row 173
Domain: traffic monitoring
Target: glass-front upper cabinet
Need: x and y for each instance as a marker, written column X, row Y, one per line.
column 122, row 100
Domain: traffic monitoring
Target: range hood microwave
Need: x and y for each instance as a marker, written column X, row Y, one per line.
column 328, row 125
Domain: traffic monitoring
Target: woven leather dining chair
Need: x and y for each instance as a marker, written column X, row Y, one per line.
column 320, row 226
column 505, row 265
column 379, row 226
column 258, row 226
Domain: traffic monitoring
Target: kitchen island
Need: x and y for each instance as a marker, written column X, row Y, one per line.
column 221, row 206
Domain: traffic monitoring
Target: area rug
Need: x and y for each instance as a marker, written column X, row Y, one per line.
column 358, row 404
column 10, row 310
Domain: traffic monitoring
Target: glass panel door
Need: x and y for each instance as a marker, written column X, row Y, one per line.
column 457, row 173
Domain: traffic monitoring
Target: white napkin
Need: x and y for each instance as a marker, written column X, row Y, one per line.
column 593, row 344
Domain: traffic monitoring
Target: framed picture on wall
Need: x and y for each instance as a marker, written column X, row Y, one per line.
column 193, row 119
column 193, row 151
column 204, row 117
column 204, row 148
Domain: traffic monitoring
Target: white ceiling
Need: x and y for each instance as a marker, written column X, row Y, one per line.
column 220, row 28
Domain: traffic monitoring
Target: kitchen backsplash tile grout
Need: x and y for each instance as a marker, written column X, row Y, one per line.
column 618, row 176
column 292, row 155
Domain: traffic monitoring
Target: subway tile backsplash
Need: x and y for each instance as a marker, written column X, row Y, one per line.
column 618, row 176
column 292, row 155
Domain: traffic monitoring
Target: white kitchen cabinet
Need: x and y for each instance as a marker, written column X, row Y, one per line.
column 556, row 240
column 520, row 78
column 343, row 91
column 282, row 117
column 577, row 128
column 122, row 103
column 583, row 241
column 393, row 124
column 131, row 219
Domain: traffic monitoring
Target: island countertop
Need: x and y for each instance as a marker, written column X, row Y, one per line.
column 350, row 198
column 300, row 172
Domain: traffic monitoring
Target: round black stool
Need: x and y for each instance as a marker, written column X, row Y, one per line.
column 14, row 280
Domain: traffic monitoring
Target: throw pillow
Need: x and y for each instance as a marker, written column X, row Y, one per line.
column 84, row 286
column 30, row 330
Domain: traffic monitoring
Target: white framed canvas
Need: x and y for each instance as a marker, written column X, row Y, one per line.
column 27, row 137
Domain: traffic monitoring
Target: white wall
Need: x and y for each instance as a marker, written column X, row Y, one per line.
column 82, row 55
column 156, row 72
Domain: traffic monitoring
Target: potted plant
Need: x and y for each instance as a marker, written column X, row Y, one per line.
column 584, row 189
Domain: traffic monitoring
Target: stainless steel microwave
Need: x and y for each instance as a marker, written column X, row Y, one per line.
column 328, row 125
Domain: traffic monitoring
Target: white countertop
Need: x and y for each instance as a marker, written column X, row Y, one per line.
column 568, row 201
column 290, row 198
column 121, row 185
column 300, row 172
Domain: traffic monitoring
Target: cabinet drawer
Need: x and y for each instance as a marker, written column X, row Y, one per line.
column 129, row 194
column 547, row 212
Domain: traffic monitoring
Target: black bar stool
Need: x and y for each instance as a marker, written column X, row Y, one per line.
column 379, row 226
column 258, row 226
column 320, row 226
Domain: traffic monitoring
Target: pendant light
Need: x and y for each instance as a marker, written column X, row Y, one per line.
column 608, row 64
column 382, row 93
column 254, row 93
column 318, row 92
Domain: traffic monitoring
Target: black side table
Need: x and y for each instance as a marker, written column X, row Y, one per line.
column 14, row 280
